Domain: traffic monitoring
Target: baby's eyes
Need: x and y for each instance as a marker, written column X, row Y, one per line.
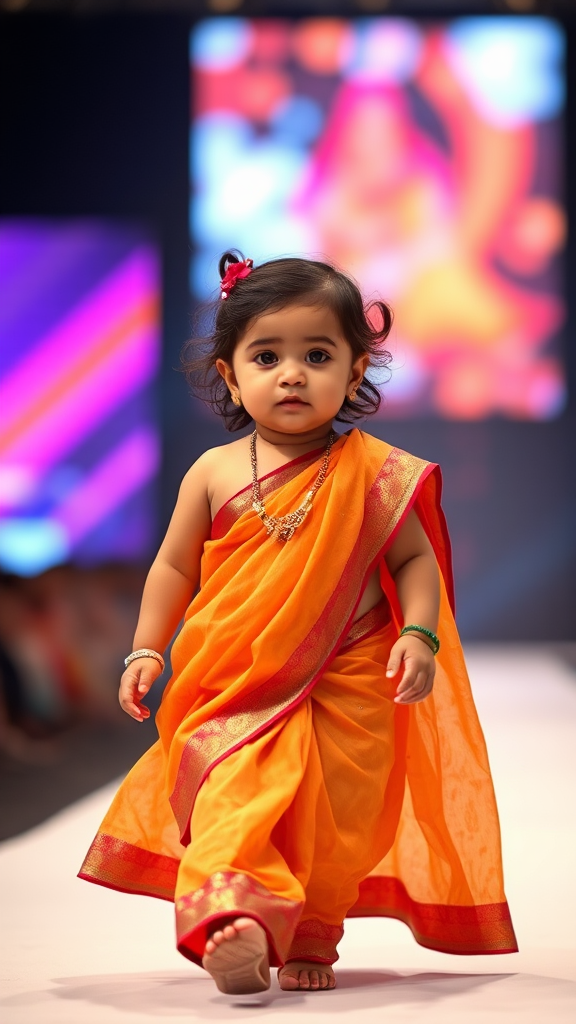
column 265, row 358
column 316, row 357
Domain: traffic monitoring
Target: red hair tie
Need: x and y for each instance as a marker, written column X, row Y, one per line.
column 235, row 272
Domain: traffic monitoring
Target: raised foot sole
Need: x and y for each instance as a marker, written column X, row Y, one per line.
column 240, row 966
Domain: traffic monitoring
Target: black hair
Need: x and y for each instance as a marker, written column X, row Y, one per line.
column 269, row 288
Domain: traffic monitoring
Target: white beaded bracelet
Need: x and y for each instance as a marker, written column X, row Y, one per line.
column 144, row 652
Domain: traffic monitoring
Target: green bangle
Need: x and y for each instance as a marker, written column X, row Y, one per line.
column 427, row 632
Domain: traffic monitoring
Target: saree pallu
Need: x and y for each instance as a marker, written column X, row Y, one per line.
column 270, row 632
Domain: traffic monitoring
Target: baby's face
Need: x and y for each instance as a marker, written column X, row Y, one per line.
column 298, row 352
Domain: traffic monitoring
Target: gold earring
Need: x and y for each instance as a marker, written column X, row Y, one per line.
column 352, row 396
column 235, row 398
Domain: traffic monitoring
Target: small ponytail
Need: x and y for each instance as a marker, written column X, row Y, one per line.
column 226, row 260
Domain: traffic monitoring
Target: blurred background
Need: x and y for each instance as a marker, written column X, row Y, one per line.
column 426, row 147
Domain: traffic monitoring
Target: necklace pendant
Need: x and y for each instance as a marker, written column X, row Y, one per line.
column 283, row 527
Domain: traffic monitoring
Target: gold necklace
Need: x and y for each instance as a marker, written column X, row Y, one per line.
column 282, row 527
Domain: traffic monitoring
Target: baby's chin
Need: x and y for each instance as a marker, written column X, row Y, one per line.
column 312, row 415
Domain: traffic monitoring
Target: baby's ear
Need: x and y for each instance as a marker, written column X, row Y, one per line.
column 225, row 371
column 363, row 362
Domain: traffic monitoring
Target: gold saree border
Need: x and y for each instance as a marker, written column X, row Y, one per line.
column 120, row 865
column 315, row 940
column 467, row 930
column 369, row 623
column 386, row 505
column 227, row 893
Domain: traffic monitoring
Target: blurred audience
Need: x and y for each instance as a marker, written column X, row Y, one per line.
column 63, row 636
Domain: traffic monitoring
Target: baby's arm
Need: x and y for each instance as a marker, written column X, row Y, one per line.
column 412, row 564
column 170, row 585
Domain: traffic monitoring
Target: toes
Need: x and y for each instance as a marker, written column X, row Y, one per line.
column 245, row 922
column 228, row 932
column 294, row 979
column 289, row 981
column 305, row 978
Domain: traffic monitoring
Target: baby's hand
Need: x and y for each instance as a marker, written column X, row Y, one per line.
column 134, row 685
column 419, row 668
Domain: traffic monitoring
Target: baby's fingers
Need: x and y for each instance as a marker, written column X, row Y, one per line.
column 421, row 688
column 410, row 693
column 408, row 678
column 129, row 696
column 137, row 711
column 395, row 660
column 397, row 657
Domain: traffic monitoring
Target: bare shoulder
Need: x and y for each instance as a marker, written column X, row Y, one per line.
column 219, row 460
column 221, row 472
column 209, row 482
column 214, row 460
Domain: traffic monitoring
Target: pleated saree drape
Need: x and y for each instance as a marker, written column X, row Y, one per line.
column 285, row 783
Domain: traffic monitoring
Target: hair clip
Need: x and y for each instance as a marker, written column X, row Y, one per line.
column 235, row 272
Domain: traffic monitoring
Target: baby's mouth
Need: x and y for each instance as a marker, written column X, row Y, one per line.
column 292, row 400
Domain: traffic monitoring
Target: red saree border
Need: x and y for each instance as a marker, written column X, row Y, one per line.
column 466, row 930
column 316, row 941
column 119, row 865
column 446, row 561
column 233, row 894
column 386, row 504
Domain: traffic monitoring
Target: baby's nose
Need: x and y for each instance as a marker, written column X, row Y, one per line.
column 292, row 374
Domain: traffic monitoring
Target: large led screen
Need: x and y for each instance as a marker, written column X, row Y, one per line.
column 79, row 351
column 424, row 158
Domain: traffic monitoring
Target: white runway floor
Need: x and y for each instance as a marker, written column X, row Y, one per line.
column 74, row 952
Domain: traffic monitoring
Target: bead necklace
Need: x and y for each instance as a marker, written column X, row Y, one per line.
column 282, row 527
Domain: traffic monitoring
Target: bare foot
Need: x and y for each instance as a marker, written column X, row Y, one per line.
column 237, row 957
column 306, row 975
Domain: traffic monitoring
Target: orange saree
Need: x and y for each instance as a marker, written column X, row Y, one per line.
column 286, row 784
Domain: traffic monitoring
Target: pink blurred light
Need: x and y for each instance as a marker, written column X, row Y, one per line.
column 75, row 338
column 127, row 368
column 123, row 472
